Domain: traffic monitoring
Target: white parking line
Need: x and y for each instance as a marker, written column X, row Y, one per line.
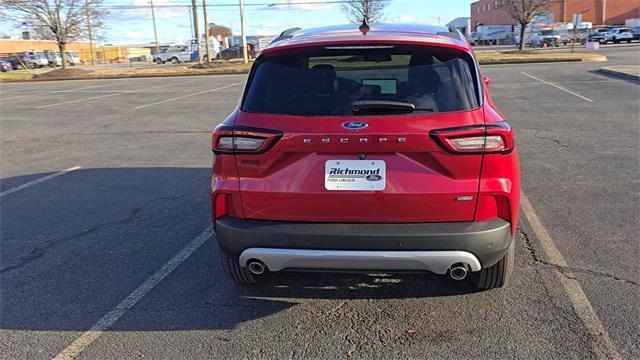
column 107, row 320
column 109, row 95
column 185, row 96
column 38, row 181
column 579, row 301
column 557, row 87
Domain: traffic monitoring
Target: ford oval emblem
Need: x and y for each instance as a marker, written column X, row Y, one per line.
column 354, row 125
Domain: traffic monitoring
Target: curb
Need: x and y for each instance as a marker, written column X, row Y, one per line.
column 133, row 76
column 620, row 74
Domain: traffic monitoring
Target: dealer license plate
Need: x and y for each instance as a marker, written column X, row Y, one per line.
column 365, row 175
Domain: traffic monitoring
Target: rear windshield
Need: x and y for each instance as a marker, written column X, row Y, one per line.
column 328, row 81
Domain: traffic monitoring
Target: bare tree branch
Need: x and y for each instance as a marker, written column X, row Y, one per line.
column 523, row 11
column 372, row 10
column 62, row 21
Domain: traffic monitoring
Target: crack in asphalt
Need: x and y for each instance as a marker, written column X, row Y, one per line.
column 43, row 247
column 536, row 135
column 566, row 270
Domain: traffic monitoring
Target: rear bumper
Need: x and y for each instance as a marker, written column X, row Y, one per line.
column 368, row 246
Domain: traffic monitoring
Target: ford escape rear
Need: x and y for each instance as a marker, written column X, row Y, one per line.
column 366, row 150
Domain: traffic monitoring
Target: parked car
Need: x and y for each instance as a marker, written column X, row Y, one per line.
column 38, row 58
column 619, row 34
column 72, row 58
column 175, row 55
column 544, row 38
column 599, row 34
column 636, row 32
column 5, row 66
column 54, row 58
column 234, row 52
column 378, row 153
column 18, row 62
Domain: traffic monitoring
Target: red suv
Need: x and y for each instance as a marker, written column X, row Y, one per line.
column 366, row 149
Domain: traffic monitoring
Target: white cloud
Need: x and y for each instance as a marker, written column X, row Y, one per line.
column 303, row 5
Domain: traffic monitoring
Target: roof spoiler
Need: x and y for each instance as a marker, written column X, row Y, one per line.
column 287, row 34
column 453, row 33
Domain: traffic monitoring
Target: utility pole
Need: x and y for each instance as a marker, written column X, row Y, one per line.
column 155, row 31
column 206, row 30
column 195, row 30
column 86, row 9
column 245, row 56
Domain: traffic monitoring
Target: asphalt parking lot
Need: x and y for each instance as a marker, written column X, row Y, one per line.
column 106, row 252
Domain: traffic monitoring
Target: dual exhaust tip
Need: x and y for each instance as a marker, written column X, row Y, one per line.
column 458, row 271
column 257, row 267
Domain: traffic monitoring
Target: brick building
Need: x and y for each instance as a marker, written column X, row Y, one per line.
column 598, row 12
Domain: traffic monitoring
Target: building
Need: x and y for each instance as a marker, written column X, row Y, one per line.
column 597, row 12
column 462, row 24
column 11, row 46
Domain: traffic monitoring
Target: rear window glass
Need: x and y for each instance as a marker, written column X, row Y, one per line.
column 328, row 81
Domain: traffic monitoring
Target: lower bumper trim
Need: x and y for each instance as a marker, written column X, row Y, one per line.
column 437, row 262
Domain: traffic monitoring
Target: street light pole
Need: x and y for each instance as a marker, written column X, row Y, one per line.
column 195, row 29
column 206, row 30
column 245, row 56
column 155, row 31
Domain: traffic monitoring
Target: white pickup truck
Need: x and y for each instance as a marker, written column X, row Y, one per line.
column 619, row 34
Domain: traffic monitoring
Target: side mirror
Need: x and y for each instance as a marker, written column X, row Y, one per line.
column 487, row 80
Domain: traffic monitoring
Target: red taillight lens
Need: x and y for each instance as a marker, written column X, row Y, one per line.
column 220, row 206
column 494, row 138
column 243, row 140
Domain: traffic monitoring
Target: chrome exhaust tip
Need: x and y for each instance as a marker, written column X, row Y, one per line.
column 257, row 267
column 459, row 271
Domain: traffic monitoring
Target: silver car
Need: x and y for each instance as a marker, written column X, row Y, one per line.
column 175, row 55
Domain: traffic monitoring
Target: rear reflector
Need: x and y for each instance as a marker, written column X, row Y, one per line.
column 220, row 206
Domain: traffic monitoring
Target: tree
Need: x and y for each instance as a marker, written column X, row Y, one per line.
column 372, row 10
column 62, row 21
column 219, row 30
column 523, row 11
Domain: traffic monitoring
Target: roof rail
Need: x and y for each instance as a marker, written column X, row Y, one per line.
column 453, row 33
column 287, row 34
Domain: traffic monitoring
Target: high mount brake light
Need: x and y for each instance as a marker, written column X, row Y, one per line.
column 243, row 140
column 491, row 139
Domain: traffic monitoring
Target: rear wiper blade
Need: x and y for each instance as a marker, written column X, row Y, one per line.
column 381, row 106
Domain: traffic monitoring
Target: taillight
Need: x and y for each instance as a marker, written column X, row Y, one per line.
column 243, row 140
column 494, row 138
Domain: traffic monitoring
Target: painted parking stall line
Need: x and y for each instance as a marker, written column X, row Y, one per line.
column 107, row 320
column 557, row 87
column 39, row 181
column 186, row 96
column 109, row 95
column 581, row 305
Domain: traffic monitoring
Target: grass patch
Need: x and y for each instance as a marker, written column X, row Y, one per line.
column 15, row 76
column 518, row 57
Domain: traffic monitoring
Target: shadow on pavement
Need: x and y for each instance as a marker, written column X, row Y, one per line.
column 75, row 246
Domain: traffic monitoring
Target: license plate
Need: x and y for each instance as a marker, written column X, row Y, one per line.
column 364, row 175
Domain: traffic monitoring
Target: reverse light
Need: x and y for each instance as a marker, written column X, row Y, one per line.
column 243, row 140
column 231, row 143
column 494, row 138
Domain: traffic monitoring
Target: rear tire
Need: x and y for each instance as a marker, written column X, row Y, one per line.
column 175, row 60
column 239, row 274
column 498, row 275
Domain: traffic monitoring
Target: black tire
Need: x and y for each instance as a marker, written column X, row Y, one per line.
column 175, row 60
column 239, row 274
column 498, row 275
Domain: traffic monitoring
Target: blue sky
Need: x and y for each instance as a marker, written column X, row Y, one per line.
column 128, row 26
